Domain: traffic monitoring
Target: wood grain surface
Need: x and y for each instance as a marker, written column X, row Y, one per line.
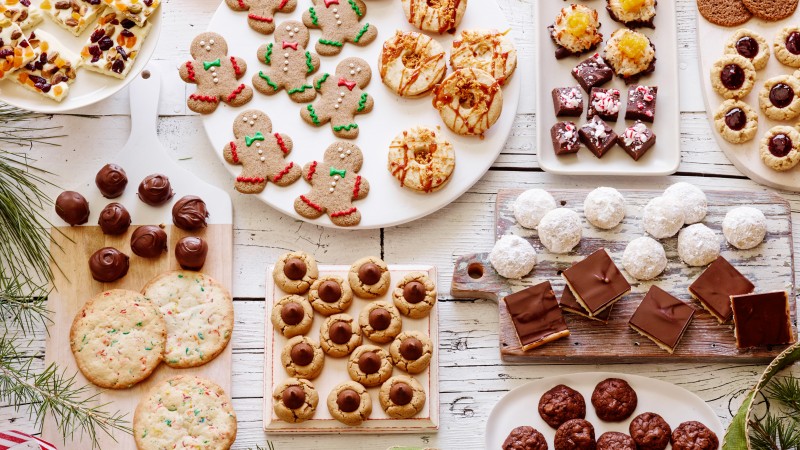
column 769, row 266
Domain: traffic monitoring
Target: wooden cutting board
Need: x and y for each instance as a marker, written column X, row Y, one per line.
column 769, row 266
column 72, row 246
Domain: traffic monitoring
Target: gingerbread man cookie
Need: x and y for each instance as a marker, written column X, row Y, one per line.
column 335, row 184
column 260, row 152
column 261, row 13
column 341, row 98
column 216, row 75
column 289, row 64
column 340, row 22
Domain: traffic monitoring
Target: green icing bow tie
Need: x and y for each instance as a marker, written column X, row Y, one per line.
column 250, row 139
column 209, row 64
column 341, row 172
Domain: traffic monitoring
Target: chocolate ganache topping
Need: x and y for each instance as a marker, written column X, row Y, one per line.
column 155, row 190
column 111, row 180
column 190, row 213
column 191, row 253
column 108, row 264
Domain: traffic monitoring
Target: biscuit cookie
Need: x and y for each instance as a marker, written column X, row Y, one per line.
column 369, row 277
column 560, row 404
column 185, row 412
column 575, row 434
column 369, row 365
column 469, row 101
column 339, row 335
column 288, row 64
column 438, row 17
column 411, row 63
column 421, row 159
column 199, row 316
column 736, row 121
column 340, row 23
column 411, row 351
column 295, row 400
column 733, row 76
column 261, row 13
column 728, row 13
column 292, row 315
column 350, row 403
column 694, row 435
column 295, row 272
column 415, row 295
column 402, row 397
column 488, row 50
column 650, row 431
column 118, row 339
column 751, row 45
column 787, row 46
column 779, row 98
column 330, row 295
column 780, row 148
column 302, row 358
column 380, row 322
column 771, row 10
column 614, row 400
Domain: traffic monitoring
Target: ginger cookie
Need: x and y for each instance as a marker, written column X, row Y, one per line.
column 302, row 358
column 292, row 316
column 216, row 75
column 415, row 295
column 369, row 365
column 330, row 295
column 728, row 13
column 339, row 335
column 380, row 322
column 402, row 397
column 341, row 98
column 350, row 403
column 261, row 13
column 771, row 10
column 295, row 272
column 295, row 400
column 289, row 64
column 261, row 153
column 442, row 16
column 369, row 277
column 335, row 184
column 340, row 22
column 411, row 351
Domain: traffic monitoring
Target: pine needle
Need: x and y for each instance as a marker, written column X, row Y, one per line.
column 779, row 431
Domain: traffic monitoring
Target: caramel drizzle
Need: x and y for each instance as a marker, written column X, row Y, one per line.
column 446, row 22
column 499, row 59
column 426, row 170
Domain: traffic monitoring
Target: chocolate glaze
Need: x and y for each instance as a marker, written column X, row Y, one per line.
column 155, row 190
column 781, row 95
column 535, row 313
column 293, row 397
column 735, row 119
column 596, row 281
column 747, row 47
column 380, row 319
column 108, row 264
column 369, row 362
column 780, row 145
column 149, row 241
column 114, row 219
column 732, row 76
column 340, row 332
column 72, row 207
column 369, row 273
column 793, row 43
column 401, row 393
column 302, row 354
column 292, row 313
column 295, row 269
column 411, row 348
column 191, row 252
column 762, row 319
column 715, row 286
column 348, row 400
column 190, row 213
column 662, row 317
column 329, row 291
column 111, row 180
column 568, row 302
column 414, row 292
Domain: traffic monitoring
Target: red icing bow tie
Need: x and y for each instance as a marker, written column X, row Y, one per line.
column 331, row 2
column 293, row 45
column 345, row 82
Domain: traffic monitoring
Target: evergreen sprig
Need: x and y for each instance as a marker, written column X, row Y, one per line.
column 779, row 431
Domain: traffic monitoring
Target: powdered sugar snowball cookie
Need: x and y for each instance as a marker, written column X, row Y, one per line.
column 560, row 230
column 744, row 227
column 531, row 206
column 663, row 217
column 692, row 199
column 604, row 208
column 644, row 258
column 698, row 245
column 512, row 257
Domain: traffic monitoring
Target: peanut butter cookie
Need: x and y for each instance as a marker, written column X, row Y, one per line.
column 369, row 277
column 402, row 397
column 415, row 295
column 302, row 358
column 295, row 272
column 350, row 403
column 339, row 335
column 295, row 400
column 411, row 351
column 330, row 295
column 369, row 365
column 292, row 316
column 380, row 322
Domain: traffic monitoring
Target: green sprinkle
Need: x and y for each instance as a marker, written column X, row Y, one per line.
column 84, row 339
column 113, row 342
column 360, row 33
column 314, row 18
column 347, row 127
column 148, row 348
column 270, row 83
column 300, row 89
column 324, row 78
column 268, row 54
column 202, row 420
column 187, row 350
column 112, row 331
column 331, row 43
column 196, row 412
column 355, row 8
column 363, row 102
column 168, row 422
column 138, row 324
column 144, row 435
column 126, row 332
column 313, row 114
column 180, row 276
column 200, row 335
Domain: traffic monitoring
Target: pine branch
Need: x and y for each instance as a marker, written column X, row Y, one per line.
column 787, row 391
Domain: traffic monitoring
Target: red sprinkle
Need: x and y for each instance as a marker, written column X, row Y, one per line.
column 283, row 172
column 281, row 144
column 242, row 5
column 254, row 180
column 310, row 203
column 234, row 153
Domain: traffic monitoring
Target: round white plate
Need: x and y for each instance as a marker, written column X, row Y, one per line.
column 520, row 406
column 89, row 87
column 387, row 204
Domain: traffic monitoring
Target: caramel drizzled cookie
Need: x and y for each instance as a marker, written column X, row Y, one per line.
column 415, row 295
column 295, row 400
column 733, row 76
column 779, row 98
column 750, row 45
column 787, row 46
column 422, row 159
column 330, row 295
column 411, row 351
column 350, row 403
column 469, row 101
column 380, row 322
column 441, row 16
column 369, row 365
column 369, row 277
column 736, row 121
column 402, row 397
column 295, row 272
column 292, row 316
column 411, row 63
column 487, row 50
column 302, row 358
column 339, row 335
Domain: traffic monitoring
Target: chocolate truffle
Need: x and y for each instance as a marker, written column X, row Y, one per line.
column 149, row 241
column 155, row 190
column 108, row 264
column 348, row 400
column 401, row 393
column 302, row 354
column 114, row 219
column 293, row 397
column 191, row 253
column 190, row 213
column 72, row 207
column 111, row 180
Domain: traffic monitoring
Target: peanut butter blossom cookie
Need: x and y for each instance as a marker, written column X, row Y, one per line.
column 415, row 295
column 350, row 403
column 370, row 365
column 292, row 316
column 295, row 400
column 295, row 272
column 411, row 63
column 199, row 315
column 339, row 335
column 118, row 339
column 402, row 397
column 330, row 295
column 439, row 17
column 369, row 277
column 185, row 412
column 411, row 351
column 302, row 358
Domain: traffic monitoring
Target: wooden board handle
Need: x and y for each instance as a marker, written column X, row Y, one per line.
column 474, row 277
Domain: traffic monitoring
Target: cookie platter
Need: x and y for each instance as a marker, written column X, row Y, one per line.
column 674, row 403
column 335, row 370
column 661, row 159
column 388, row 204
column 768, row 267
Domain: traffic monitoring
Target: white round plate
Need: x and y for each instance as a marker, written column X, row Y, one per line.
column 89, row 87
column 387, row 204
column 520, row 406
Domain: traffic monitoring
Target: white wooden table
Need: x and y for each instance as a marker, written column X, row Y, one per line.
column 472, row 375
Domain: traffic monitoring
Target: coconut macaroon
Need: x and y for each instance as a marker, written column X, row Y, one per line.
column 488, row 50
column 633, row 13
column 631, row 54
column 575, row 31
